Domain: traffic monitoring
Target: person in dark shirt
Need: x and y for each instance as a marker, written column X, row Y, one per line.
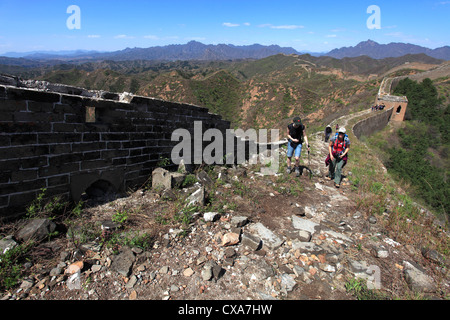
column 296, row 136
column 328, row 132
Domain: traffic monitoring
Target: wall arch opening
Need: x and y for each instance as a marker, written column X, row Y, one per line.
column 99, row 192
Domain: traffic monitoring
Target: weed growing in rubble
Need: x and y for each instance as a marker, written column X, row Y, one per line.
column 143, row 241
column 120, row 216
column 358, row 288
column 11, row 265
column 163, row 162
column 239, row 188
column 185, row 216
column 188, row 181
column 43, row 207
column 162, row 218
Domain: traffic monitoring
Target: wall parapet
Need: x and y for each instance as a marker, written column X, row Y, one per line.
column 65, row 139
column 372, row 124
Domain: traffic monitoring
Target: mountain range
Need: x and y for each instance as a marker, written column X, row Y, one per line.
column 195, row 50
column 392, row 50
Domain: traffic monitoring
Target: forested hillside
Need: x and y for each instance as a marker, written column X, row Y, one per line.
column 418, row 152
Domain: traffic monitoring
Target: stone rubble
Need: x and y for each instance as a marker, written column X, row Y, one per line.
column 231, row 256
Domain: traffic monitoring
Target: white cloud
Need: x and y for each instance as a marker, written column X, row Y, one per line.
column 94, row 36
column 331, row 35
column 395, row 34
column 389, row 27
column 230, row 25
column 123, row 36
column 338, row 30
column 8, row 45
column 247, row 24
column 151, row 37
column 287, row 27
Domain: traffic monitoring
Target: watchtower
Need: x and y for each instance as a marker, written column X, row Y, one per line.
column 398, row 105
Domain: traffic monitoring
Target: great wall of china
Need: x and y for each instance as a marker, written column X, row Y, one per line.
column 67, row 139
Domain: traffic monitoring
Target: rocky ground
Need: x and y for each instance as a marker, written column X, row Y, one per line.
column 250, row 237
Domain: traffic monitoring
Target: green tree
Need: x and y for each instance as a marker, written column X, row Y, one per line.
column 428, row 128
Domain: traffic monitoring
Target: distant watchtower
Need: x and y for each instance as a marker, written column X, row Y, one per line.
column 398, row 105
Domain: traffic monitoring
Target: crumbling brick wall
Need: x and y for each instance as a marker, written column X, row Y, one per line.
column 395, row 109
column 64, row 139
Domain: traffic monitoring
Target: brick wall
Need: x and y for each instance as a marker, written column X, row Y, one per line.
column 369, row 126
column 46, row 141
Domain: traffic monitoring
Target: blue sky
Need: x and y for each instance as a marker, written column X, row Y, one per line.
column 310, row 25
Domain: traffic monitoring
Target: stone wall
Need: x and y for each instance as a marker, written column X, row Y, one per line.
column 398, row 104
column 66, row 139
column 394, row 111
column 373, row 124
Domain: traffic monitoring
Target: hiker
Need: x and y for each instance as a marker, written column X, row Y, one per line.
column 296, row 135
column 337, row 156
column 328, row 132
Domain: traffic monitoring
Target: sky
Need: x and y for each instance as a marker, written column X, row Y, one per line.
column 312, row 25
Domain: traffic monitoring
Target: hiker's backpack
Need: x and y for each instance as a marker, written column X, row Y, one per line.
column 337, row 134
column 344, row 143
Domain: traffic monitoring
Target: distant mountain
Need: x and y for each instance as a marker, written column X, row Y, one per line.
column 392, row 50
column 195, row 50
column 45, row 55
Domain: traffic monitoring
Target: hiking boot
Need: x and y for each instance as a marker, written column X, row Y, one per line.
column 297, row 171
column 288, row 170
column 337, row 185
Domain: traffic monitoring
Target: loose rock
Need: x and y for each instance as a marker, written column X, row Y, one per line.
column 239, row 221
column 417, row 279
column 210, row 216
column 123, row 262
column 75, row 267
column 230, row 239
column 188, row 272
column 251, row 241
column 6, row 244
column 270, row 240
column 304, row 224
column 36, row 229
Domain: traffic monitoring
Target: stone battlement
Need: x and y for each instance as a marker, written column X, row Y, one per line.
column 65, row 139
